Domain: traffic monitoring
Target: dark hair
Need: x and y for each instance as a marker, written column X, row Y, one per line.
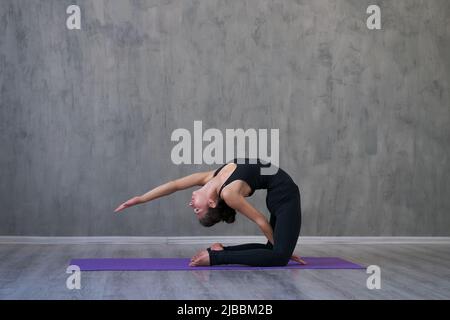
column 222, row 212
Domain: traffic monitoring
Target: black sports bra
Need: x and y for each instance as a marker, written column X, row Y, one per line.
column 247, row 172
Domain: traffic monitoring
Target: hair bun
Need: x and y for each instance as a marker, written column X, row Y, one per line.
column 229, row 219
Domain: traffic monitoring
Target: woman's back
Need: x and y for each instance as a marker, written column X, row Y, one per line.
column 250, row 171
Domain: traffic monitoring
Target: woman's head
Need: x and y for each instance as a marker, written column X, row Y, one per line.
column 221, row 212
column 200, row 202
column 210, row 211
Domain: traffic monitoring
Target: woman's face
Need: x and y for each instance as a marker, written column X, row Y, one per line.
column 199, row 203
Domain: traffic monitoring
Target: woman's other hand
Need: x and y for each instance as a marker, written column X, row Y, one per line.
column 129, row 203
column 298, row 259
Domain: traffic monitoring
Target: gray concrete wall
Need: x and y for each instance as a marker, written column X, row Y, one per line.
column 86, row 116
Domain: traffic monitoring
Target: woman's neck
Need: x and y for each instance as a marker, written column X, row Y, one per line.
column 211, row 188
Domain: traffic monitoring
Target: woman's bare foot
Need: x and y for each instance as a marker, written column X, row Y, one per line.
column 217, row 246
column 200, row 259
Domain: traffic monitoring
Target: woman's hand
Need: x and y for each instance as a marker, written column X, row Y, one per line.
column 129, row 203
column 298, row 259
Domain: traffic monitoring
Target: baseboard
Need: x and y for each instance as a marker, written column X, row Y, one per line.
column 221, row 239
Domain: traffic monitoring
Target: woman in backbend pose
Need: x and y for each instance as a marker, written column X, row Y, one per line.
column 223, row 192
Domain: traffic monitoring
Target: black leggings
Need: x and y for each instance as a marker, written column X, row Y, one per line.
column 285, row 219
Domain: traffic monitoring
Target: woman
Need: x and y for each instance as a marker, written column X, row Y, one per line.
column 223, row 192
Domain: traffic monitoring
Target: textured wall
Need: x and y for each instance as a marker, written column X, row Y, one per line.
column 86, row 116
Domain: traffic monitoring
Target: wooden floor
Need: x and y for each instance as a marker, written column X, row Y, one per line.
column 409, row 271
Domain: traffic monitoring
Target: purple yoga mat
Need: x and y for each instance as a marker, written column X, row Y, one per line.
column 173, row 264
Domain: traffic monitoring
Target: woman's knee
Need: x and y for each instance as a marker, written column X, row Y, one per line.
column 280, row 259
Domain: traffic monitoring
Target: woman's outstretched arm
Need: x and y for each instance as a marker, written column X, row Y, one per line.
column 196, row 179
